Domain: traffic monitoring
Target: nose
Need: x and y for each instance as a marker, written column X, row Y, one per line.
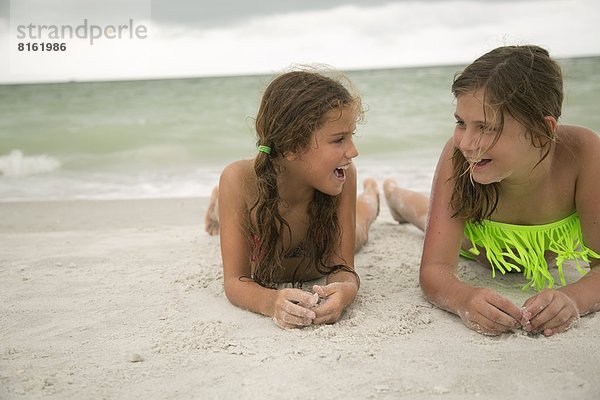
column 467, row 140
column 352, row 150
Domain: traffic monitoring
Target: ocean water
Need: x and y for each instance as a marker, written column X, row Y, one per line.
column 171, row 138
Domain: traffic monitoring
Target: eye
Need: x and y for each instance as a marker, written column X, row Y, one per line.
column 460, row 123
column 487, row 129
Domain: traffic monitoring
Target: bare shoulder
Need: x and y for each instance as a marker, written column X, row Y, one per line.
column 237, row 178
column 583, row 143
column 237, row 172
column 579, row 152
column 444, row 166
column 443, row 184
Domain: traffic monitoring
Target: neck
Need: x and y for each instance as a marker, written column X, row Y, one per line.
column 293, row 194
column 528, row 183
column 293, row 190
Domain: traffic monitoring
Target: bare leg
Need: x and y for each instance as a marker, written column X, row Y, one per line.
column 211, row 220
column 406, row 205
column 367, row 209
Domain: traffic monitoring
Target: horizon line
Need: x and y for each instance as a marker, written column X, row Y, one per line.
column 257, row 74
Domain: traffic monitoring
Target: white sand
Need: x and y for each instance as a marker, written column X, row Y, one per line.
column 124, row 299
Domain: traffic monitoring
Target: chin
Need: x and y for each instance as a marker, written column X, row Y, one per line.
column 333, row 193
column 490, row 180
column 485, row 180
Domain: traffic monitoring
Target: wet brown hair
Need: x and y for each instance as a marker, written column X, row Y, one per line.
column 520, row 81
column 293, row 107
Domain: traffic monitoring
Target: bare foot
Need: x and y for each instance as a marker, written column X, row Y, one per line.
column 406, row 205
column 393, row 200
column 370, row 197
column 367, row 209
column 211, row 219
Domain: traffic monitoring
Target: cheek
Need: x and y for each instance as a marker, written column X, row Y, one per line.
column 486, row 143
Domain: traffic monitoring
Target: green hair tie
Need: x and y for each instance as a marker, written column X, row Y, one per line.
column 264, row 149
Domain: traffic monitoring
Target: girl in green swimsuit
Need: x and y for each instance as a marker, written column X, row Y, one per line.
column 512, row 188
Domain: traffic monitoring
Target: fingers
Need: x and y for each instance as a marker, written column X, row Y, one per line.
column 323, row 291
column 550, row 312
column 311, row 302
column 487, row 312
column 301, row 298
column 326, row 307
column 291, row 315
column 489, row 321
column 335, row 297
column 500, row 315
column 329, row 309
column 536, row 304
column 289, row 310
column 327, row 313
column 563, row 321
column 299, row 308
column 507, row 307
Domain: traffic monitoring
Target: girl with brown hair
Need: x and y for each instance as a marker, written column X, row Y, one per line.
column 513, row 188
column 291, row 214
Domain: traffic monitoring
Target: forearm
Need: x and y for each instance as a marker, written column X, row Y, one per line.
column 585, row 292
column 250, row 296
column 442, row 288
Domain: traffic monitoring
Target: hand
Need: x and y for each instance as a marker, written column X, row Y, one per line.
column 335, row 297
column 551, row 311
column 292, row 308
column 489, row 313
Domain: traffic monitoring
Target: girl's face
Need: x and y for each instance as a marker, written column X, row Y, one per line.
column 324, row 163
column 510, row 159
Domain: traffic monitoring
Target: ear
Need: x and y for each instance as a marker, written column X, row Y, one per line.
column 290, row 155
column 551, row 122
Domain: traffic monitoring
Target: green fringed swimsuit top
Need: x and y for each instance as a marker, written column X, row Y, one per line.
column 512, row 247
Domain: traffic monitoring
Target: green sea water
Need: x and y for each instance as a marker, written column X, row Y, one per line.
column 171, row 138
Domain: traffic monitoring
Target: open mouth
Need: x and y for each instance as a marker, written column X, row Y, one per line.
column 340, row 172
column 480, row 163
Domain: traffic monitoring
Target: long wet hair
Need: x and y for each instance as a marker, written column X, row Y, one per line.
column 520, row 81
column 293, row 107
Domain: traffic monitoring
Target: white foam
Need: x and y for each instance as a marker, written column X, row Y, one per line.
column 17, row 164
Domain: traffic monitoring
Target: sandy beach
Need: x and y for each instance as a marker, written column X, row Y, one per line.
column 124, row 299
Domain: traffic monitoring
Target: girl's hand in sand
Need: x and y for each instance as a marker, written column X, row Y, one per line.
column 292, row 308
column 489, row 313
column 335, row 297
column 549, row 312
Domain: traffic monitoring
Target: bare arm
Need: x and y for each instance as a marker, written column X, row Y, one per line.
column 554, row 311
column 443, row 237
column 586, row 292
column 342, row 286
column 480, row 309
column 235, row 251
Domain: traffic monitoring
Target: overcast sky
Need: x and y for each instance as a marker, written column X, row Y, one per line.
column 185, row 38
